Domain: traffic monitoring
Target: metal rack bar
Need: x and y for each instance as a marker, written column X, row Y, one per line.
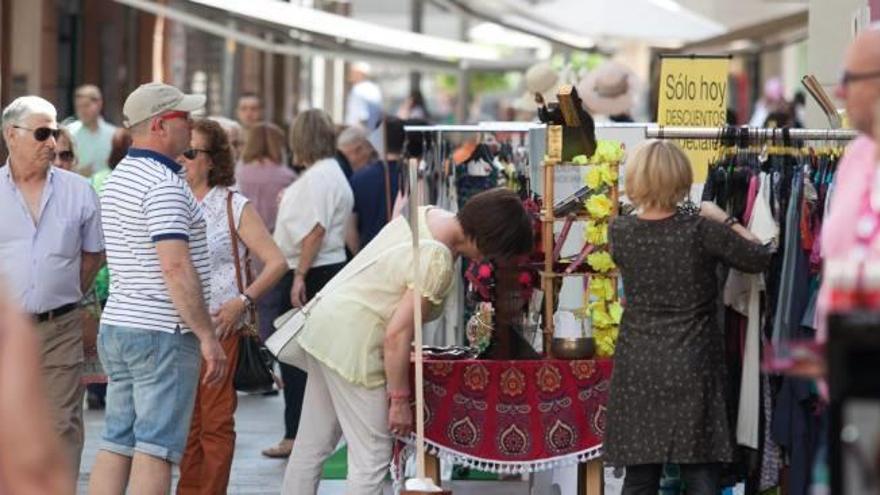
column 503, row 127
column 754, row 133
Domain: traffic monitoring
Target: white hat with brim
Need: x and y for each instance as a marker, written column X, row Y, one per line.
column 155, row 98
column 541, row 78
column 609, row 90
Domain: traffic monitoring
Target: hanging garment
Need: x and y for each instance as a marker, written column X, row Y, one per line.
column 743, row 293
column 793, row 296
column 771, row 458
column 754, row 183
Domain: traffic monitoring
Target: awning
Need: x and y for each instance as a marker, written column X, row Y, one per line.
column 752, row 38
column 341, row 27
column 516, row 15
column 412, row 50
column 652, row 21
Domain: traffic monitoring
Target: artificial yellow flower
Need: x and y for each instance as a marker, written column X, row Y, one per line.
column 579, row 160
column 602, row 288
column 599, row 176
column 599, row 315
column 606, row 340
column 600, row 262
column 615, row 310
column 597, row 233
column 599, row 206
column 608, row 152
column 594, row 178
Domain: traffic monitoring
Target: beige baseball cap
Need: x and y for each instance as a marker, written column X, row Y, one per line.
column 151, row 99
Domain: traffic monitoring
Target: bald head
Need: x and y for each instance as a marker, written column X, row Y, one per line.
column 860, row 86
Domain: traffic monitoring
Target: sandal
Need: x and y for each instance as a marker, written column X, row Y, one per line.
column 280, row 451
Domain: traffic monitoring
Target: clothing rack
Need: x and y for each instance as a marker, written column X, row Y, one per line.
column 749, row 133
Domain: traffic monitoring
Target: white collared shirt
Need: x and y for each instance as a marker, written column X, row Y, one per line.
column 321, row 196
column 40, row 262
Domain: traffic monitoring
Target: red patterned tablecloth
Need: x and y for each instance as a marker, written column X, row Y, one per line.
column 516, row 416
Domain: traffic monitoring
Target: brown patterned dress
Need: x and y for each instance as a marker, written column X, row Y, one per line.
column 667, row 399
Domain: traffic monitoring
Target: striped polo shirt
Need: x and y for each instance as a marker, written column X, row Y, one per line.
column 146, row 200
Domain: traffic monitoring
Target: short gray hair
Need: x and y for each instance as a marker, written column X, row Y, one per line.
column 25, row 106
column 352, row 135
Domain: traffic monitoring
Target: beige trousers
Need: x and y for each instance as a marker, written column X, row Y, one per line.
column 62, row 359
column 333, row 408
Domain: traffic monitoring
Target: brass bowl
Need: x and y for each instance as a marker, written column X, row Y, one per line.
column 576, row 348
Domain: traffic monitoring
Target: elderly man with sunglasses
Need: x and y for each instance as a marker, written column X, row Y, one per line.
column 155, row 325
column 50, row 250
column 850, row 230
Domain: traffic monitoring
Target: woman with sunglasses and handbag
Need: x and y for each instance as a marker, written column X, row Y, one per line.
column 210, row 172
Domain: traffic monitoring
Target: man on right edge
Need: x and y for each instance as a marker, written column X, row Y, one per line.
column 860, row 89
column 156, row 321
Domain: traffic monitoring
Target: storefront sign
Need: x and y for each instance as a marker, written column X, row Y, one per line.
column 693, row 93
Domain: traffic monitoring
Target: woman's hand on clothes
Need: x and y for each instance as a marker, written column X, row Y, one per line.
column 298, row 292
column 227, row 318
column 712, row 212
column 400, row 418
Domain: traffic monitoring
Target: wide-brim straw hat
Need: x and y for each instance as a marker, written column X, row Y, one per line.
column 541, row 78
column 611, row 89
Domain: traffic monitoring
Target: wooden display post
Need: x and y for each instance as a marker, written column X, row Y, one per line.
column 562, row 145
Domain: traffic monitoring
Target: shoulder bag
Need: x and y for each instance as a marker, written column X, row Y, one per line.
column 283, row 345
column 253, row 372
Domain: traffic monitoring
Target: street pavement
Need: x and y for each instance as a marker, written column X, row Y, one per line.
column 258, row 423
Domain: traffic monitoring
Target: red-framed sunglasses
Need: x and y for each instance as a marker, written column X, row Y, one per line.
column 174, row 114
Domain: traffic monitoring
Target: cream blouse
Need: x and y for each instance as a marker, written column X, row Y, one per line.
column 346, row 329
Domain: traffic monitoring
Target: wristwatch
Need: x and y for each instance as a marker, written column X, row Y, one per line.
column 246, row 299
column 731, row 221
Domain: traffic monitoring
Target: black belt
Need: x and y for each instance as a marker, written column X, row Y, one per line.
column 55, row 313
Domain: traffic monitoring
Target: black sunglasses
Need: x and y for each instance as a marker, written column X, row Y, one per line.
column 849, row 77
column 41, row 133
column 192, row 153
column 64, row 156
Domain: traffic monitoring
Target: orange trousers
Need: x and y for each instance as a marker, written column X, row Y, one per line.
column 210, row 446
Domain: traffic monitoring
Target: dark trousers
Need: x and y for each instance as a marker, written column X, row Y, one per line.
column 701, row 479
column 295, row 378
column 273, row 304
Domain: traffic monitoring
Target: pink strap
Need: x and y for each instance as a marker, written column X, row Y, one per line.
column 750, row 199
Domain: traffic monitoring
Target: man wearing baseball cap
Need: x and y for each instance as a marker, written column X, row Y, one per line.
column 155, row 325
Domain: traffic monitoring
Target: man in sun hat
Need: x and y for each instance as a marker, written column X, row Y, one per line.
column 156, row 324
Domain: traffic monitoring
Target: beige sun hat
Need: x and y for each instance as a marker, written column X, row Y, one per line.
column 611, row 89
column 154, row 98
column 541, row 78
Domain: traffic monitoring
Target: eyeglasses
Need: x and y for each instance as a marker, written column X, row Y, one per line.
column 849, row 77
column 192, row 153
column 41, row 133
column 175, row 114
column 64, row 156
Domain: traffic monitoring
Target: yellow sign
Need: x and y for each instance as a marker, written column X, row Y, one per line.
column 693, row 93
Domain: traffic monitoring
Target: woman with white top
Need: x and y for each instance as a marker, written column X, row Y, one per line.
column 310, row 230
column 210, row 172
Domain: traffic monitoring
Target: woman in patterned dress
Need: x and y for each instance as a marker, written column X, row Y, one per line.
column 667, row 402
column 210, row 172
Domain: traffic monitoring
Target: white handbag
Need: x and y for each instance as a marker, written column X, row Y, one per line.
column 283, row 345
